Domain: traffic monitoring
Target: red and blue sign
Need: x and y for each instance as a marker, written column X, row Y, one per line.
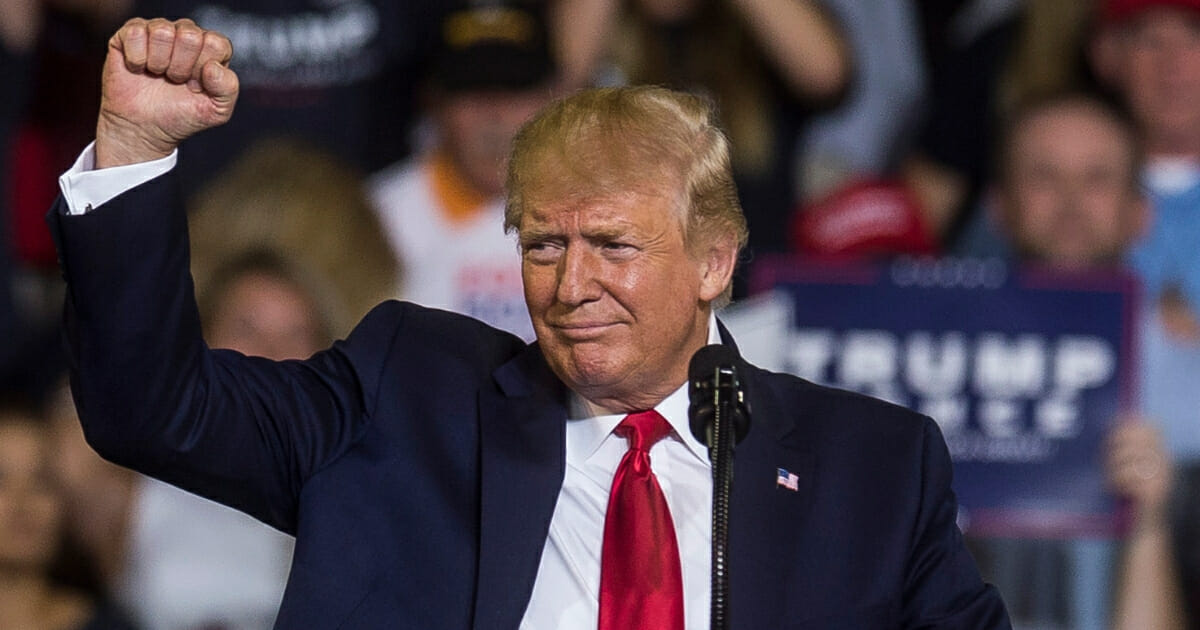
column 1024, row 370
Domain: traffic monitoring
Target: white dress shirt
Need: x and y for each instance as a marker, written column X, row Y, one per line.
column 566, row 592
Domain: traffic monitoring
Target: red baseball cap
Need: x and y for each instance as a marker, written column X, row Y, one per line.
column 1117, row 11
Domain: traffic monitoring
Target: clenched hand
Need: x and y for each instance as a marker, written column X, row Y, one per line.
column 163, row 82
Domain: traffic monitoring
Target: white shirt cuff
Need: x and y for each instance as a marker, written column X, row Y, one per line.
column 83, row 187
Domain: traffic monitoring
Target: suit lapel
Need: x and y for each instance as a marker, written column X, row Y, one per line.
column 522, row 428
column 766, row 519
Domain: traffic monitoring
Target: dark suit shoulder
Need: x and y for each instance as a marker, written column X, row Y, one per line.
column 406, row 339
column 837, row 411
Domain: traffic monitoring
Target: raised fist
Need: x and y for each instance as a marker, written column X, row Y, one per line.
column 163, row 82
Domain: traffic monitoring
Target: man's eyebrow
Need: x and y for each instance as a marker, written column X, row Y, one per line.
column 606, row 233
column 532, row 235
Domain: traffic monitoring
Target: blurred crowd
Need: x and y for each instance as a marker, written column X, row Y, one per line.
column 368, row 163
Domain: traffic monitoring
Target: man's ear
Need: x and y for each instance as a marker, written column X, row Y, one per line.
column 716, row 267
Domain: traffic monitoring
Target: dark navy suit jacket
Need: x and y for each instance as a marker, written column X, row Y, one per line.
column 418, row 462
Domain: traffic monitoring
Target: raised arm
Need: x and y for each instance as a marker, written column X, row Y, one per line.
column 799, row 37
column 1149, row 593
column 241, row 430
column 803, row 41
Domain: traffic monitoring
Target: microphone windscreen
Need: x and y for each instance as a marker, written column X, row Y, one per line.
column 707, row 359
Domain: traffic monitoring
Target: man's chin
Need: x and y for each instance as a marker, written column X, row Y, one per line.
column 588, row 369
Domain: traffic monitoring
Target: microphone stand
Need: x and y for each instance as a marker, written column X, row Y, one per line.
column 720, row 452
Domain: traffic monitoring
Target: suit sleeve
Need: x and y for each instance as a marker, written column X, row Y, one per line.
column 942, row 587
column 244, row 431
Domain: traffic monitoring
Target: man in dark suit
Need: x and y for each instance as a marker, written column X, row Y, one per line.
column 438, row 473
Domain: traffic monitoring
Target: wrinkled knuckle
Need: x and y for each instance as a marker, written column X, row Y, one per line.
column 218, row 44
column 189, row 38
column 134, row 30
column 161, row 33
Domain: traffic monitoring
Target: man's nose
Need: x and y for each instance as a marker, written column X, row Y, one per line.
column 578, row 276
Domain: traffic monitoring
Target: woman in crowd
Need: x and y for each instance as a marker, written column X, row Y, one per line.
column 31, row 536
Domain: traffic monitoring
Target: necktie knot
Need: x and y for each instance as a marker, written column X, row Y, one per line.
column 643, row 429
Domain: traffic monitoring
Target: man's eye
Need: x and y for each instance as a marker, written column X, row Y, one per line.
column 540, row 251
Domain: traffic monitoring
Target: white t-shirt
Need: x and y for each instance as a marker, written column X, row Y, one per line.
column 193, row 563
column 469, row 266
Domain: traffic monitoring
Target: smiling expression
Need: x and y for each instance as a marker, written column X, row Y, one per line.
column 618, row 302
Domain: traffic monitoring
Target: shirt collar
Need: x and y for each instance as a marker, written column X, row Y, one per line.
column 588, row 426
column 1171, row 175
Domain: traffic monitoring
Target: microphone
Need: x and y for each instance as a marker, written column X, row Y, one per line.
column 713, row 380
column 718, row 416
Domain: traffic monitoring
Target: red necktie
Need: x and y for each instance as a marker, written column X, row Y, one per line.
column 641, row 584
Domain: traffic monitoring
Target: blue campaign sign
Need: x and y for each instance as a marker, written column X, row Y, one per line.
column 1023, row 370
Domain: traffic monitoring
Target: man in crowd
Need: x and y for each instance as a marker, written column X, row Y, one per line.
column 1068, row 198
column 439, row 473
column 443, row 210
column 1149, row 52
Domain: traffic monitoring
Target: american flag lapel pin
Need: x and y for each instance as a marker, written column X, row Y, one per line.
column 786, row 479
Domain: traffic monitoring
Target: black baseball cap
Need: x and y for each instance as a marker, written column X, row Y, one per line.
column 492, row 47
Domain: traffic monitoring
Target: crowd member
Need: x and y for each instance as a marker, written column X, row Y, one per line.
column 340, row 75
column 1149, row 51
column 39, row 117
column 441, row 473
column 31, row 535
column 262, row 304
column 767, row 64
column 444, row 210
column 985, row 57
column 56, row 115
column 309, row 210
column 1068, row 198
column 980, row 58
column 862, row 137
column 1067, row 194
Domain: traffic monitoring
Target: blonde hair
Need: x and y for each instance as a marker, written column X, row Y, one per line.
column 610, row 141
column 306, row 208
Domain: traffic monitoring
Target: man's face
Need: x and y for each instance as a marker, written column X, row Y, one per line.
column 618, row 304
column 31, row 506
column 1070, row 200
column 264, row 315
column 1159, row 72
column 477, row 130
